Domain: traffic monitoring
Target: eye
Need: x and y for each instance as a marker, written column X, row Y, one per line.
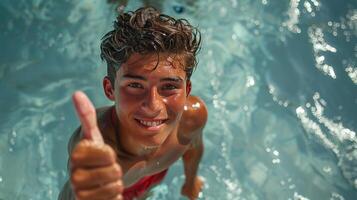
column 135, row 85
column 169, row 87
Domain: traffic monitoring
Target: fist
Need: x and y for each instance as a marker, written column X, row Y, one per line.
column 95, row 174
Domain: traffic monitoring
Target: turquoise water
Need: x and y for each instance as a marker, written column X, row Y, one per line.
column 279, row 79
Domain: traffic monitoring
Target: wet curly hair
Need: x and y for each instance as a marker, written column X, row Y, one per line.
column 146, row 31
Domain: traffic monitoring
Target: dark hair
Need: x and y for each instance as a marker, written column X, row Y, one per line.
column 146, row 31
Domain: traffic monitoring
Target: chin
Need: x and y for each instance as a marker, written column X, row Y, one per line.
column 153, row 135
column 156, row 140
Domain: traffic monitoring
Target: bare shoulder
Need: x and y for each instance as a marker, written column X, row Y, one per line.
column 105, row 124
column 194, row 117
column 102, row 120
column 102, row 116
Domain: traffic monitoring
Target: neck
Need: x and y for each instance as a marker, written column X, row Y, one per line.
column 132, row 149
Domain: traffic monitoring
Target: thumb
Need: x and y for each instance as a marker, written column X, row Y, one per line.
column 87, row 116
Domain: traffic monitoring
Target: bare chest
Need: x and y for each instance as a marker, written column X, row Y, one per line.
column 169, row 153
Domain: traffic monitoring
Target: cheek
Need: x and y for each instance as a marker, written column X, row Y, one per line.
column 126, row 102
column 175, row 104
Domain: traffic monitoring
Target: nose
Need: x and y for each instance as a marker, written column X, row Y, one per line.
column 153, row 103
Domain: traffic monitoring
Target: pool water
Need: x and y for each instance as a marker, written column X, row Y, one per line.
column 279, row 79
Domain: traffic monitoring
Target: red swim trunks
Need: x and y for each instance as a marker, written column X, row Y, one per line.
column 143, row 185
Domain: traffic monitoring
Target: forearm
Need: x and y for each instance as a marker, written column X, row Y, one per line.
column 191, row 160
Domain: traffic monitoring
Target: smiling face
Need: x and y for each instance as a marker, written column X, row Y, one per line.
column 150, row 97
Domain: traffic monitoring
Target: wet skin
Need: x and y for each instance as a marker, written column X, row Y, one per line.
column 154, row 122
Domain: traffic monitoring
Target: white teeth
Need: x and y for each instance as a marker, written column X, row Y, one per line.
column 151, row 124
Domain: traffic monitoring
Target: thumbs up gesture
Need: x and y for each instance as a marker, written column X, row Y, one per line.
column 95, row 174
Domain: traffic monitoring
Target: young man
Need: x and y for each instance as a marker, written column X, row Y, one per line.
column 122, row 151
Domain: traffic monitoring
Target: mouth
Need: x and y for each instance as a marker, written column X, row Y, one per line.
column 151, row 125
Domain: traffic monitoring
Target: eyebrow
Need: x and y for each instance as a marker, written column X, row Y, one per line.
column 174, row 79
column 134, row 77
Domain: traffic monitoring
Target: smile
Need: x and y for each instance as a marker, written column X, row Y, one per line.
column 151, row 125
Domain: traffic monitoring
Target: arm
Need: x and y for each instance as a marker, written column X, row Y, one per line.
column 194, row 120
column 94, row 171
column 191, row 159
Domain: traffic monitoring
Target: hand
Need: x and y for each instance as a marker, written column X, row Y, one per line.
column 95, row 174
column 192, row 189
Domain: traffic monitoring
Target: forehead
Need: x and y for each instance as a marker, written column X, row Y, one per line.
column 163, row 63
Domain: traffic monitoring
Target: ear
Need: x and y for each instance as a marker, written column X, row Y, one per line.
column 188, row 87
column 108, row 88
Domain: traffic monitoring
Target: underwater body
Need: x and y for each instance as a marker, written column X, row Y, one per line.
column 279, row 79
